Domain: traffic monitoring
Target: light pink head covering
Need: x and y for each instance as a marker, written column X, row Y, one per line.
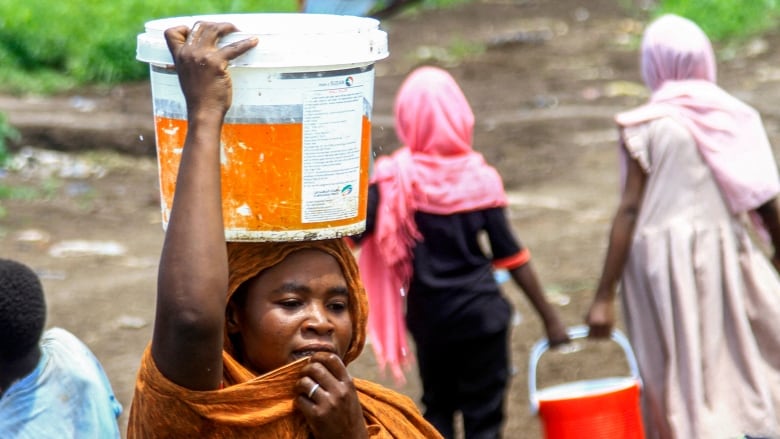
column 432, row 115
column 678, row 65
column 437, row 172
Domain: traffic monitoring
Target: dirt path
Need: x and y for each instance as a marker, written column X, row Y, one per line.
column 544, row 78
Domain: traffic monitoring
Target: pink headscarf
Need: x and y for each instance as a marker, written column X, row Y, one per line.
column 678, row 65
column 436, row 172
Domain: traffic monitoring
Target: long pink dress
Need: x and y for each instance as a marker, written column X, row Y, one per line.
column 701, row 301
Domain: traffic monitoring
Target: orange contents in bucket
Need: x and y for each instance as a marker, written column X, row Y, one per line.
column 261, row 174
column 606, row 408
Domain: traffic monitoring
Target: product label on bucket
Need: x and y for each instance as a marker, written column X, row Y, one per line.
column 331, row 154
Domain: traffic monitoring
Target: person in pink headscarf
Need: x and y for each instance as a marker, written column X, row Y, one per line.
column 701, row 301
column 429, row 203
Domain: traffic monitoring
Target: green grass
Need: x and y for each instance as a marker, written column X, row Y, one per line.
column 48, row 46
column 725, row 20
column 8, row 192
column 44, row 190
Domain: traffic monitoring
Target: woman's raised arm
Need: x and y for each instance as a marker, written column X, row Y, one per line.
column 193, row 273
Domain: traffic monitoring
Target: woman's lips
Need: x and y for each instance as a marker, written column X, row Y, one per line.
column 311, row 350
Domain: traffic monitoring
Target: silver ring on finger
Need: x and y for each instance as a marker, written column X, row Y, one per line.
column 313, row 389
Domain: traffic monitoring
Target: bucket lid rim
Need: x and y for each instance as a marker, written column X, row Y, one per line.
column 328, row 40
column 348, row 23
column 578, row 389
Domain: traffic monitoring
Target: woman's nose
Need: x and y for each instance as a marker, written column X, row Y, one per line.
column 317, row 320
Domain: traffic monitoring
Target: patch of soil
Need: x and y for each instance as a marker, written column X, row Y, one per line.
column 544, row 78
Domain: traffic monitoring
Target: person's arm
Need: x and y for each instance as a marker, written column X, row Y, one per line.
column 525, row 277
column 509, row 254
column 771, row 219
column 601, row 315
column 193, row 273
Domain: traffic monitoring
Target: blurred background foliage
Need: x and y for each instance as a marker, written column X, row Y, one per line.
column 48, row 46
column 51, row 46
column 725, row 20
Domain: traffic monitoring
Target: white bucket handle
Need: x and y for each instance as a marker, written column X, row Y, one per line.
column 575, row 332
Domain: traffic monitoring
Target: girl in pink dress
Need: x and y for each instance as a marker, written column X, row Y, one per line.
column 701, row 301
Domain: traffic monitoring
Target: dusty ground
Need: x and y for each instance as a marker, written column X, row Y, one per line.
column 550, row 76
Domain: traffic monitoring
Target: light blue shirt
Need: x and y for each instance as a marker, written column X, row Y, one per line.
column 339, row 7
column 67, row 395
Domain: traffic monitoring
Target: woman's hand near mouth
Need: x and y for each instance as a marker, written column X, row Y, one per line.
column 331, row 409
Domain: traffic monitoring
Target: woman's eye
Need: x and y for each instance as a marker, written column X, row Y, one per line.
column 337, row 306
column 290, row 303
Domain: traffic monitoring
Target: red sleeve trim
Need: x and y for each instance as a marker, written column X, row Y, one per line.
column 511, row 262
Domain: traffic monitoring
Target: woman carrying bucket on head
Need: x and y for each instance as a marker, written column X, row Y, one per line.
column 701, row 302
column 251, row 339
column 429, row 204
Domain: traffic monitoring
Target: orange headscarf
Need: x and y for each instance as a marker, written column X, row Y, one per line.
column 247, row 260
column 262, row 406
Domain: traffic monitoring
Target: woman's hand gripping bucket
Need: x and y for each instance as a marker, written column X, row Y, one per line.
column 605, row 408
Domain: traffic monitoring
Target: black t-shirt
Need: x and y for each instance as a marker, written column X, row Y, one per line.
column 453, row 294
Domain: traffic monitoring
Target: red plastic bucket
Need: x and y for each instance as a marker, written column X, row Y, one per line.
column 604, row 408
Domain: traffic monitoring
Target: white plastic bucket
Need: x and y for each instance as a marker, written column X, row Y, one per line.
column 296, row 143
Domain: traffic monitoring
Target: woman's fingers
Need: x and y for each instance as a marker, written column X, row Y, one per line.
column 206, row 35
column 175, row 37
column 600, row 319
column 332, row 364
column 209, row 32
column 202, row 67
column 234, row 50
column 327, row 370
column 600, row 331
column 309, row 389
column 328, row 398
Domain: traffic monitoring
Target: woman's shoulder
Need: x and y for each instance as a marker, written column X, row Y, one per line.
column 662, row 130
column 668, row 133
column 662, row 123
column 666, row 123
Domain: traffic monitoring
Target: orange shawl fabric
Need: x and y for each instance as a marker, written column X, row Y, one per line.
column 262, row 406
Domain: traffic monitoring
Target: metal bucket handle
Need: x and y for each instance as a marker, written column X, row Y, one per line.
column 575, row 332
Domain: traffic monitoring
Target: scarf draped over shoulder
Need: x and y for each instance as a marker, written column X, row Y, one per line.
column 252, row 406
column 678, row 66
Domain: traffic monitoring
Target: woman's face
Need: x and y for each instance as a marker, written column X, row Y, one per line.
column 293, row 309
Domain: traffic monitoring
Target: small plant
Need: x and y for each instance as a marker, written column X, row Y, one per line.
column 461, row 48
column 7, row 133
column 26, row 193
